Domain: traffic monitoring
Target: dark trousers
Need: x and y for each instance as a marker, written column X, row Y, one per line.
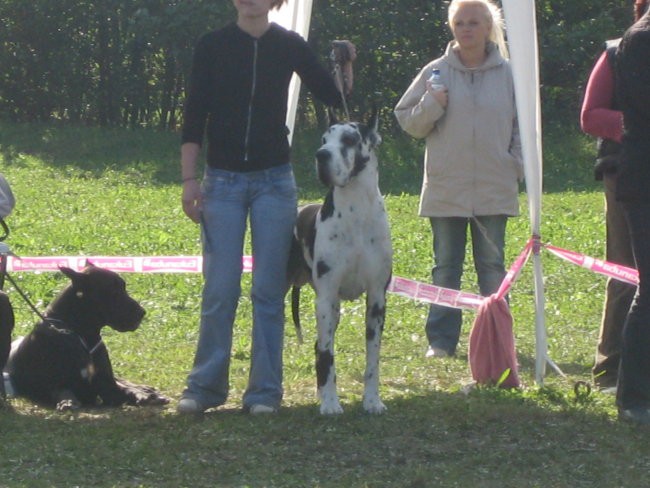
column 619, row 295
column 634, row 373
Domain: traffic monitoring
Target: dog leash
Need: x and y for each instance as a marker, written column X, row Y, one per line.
column 51, row 322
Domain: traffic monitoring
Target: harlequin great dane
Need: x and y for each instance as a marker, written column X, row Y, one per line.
column 343, row 249
column 63, row 361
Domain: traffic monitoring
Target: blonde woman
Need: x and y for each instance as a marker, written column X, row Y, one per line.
column 472, row 163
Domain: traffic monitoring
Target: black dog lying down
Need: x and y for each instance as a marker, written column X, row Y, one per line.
column 63, row 361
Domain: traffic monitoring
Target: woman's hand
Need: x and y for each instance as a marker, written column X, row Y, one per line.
column 346, row 54
column 441, row 95
column 191, row 199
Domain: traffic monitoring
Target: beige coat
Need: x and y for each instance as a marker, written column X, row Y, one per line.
column 472, row 162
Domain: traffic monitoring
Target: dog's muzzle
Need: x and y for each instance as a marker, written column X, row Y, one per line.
column 323, row 160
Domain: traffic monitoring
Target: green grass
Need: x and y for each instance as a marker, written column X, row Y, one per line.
column 85, row 191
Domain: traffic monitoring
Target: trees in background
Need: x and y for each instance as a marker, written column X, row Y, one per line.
column 125, row 62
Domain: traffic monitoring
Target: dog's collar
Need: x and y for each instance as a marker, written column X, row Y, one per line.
column 60, row 326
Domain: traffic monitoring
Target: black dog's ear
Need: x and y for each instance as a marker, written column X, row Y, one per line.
column 332, row 118
column 71, row 273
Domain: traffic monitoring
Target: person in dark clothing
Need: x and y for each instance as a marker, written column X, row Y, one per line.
column 633, row 93
column 601, row 117
column 238, row 97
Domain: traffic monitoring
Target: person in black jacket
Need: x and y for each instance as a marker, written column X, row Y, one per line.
column 633, row 92
column 601, row 116
column 238, row 97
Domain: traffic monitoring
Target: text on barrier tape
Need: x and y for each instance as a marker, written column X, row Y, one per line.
column 611, row 270
column 193, row 264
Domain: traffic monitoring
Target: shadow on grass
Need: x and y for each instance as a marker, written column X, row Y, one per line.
column 154, row 155
column 489, row 437
column 568, row 155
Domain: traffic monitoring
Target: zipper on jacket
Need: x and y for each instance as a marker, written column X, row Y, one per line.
column 250, row 102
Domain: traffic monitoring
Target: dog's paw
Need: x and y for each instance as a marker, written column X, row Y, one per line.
column 68, row 405
column 373, row 404
column 152, row 399
column 331, row 407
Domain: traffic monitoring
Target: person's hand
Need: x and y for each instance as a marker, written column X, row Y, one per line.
column 191, row 200
column 346, row 54
column 441, row 96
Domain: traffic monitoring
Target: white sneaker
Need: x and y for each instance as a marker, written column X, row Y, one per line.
column 436, row 352
column 259, row 409
column 189, row 406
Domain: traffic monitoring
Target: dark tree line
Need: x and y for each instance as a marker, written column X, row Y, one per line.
column 125, row 62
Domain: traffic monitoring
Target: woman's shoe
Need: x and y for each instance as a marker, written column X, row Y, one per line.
column 637, row 415
column 436, row 352
column 189, row 406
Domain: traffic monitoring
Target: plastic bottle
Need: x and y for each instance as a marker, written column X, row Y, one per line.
column 436, row 80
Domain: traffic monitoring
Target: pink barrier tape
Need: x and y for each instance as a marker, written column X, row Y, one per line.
column 138, row 264
column 423, row 292
column 434, row 294
column 611, row 270
column 515, row 269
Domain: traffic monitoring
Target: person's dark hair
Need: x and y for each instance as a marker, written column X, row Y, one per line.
column 640, row 7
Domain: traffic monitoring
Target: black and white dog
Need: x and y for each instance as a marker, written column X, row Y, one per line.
column 63, row 361
column 343, row 249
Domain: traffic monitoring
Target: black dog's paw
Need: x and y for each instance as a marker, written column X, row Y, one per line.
column 141, row 395
column 152, row 399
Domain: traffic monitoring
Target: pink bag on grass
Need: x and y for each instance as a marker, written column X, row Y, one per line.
column 492, row 345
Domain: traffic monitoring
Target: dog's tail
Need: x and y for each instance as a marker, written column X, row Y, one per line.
column 297, row 275
column 295, row 311
column 6, row 328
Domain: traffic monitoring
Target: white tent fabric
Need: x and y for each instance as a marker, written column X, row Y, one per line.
column 521, row 28
column 522, row 42
column 296, row 16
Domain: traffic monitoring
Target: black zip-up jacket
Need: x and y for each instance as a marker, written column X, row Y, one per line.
column 633, row 91
column 239, row 88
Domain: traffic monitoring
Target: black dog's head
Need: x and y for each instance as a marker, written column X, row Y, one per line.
column 346, row 150
column 96, row 297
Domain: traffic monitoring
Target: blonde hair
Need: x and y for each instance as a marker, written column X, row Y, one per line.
column 277, row 4
column 494, row 16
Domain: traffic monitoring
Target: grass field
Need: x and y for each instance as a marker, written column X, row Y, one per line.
column 84, row 191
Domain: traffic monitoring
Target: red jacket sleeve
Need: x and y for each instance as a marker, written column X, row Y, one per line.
column 597, row 118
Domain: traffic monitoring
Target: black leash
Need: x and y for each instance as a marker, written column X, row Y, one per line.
column 23, row 295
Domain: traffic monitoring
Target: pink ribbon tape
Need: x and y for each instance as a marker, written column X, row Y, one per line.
column 611, row 270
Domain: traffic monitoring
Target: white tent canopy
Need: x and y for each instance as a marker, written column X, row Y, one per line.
column 296, row 16
column 522, row 36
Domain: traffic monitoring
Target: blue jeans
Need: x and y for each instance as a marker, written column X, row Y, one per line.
column 449, row 241
column 269, row 199
column 634, row 371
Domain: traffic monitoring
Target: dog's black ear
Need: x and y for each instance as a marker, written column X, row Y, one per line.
column 332, row 118
column 70, row 273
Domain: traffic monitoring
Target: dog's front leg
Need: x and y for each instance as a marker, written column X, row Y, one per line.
column 327, row 318
column 375, row 317
column 103, row 381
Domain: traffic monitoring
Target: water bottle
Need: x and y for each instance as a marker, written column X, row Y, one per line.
column 436, row 80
